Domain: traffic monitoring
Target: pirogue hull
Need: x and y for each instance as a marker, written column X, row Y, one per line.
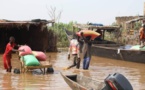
column 112, row 51
column 78, row 82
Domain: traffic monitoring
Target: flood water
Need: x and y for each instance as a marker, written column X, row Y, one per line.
column 99, row 69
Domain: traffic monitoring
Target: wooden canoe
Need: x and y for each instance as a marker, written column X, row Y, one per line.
column 79, row 82
column 114, row 51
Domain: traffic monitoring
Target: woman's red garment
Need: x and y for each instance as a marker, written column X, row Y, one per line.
column 142, row 33
column 8, row 55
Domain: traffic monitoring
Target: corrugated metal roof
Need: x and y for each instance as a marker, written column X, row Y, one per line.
column 83, row 26
column 35, row 21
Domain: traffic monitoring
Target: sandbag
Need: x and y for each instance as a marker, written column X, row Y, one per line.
column 135, row 47
column 17, row 71
column 126, row 47
column 143, row 48
column 27, row 50
column 30, row 60
column 39, row 55
column 91, row 33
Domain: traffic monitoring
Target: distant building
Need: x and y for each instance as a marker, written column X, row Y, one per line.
column 144, row 8
column 122, row 21
column 128, row 22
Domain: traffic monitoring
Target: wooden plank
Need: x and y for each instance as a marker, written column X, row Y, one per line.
column 43, row 64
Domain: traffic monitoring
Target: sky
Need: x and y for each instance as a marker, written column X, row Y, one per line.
column 81, row 11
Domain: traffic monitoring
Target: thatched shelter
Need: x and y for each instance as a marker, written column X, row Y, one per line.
column 34, row 33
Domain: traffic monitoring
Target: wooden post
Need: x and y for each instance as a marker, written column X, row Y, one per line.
column 103, row 34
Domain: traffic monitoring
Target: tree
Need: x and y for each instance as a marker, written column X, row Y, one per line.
column 114, row 24
column 53, row 14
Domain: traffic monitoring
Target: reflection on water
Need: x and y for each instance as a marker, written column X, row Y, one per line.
column 100, row 68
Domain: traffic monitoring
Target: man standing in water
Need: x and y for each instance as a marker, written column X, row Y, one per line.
column 86, row 50
column 8, row 54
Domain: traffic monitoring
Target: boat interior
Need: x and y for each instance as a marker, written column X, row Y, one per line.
column 86, row 82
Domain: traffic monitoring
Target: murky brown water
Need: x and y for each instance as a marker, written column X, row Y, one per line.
column 99, row 70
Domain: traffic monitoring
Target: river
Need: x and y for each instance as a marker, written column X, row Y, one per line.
column 99, row 69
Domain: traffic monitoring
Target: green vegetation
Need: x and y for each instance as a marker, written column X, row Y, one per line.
column 137, row 25
column 62, row 40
